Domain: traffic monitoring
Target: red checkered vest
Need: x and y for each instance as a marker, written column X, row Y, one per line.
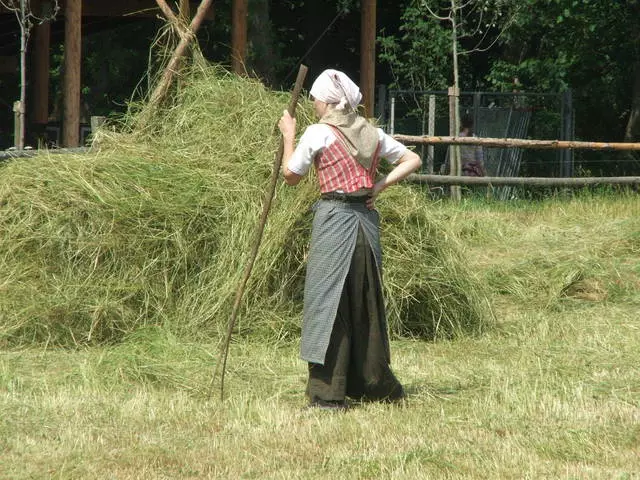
column 337, row 169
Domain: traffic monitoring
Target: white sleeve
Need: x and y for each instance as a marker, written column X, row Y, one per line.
column 314, row 139
column 390, row 149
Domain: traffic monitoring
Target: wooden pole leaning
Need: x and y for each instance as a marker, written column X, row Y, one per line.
column 187, row 34
column 224, row 353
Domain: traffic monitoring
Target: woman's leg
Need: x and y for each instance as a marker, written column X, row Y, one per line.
column 328, row 382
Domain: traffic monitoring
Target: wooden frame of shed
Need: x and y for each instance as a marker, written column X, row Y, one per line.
column 73, row 11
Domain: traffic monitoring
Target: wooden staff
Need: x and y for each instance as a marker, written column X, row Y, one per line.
column 517, row 142
column 222, row 363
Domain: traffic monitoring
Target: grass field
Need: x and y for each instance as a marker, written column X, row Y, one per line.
column 552, row 390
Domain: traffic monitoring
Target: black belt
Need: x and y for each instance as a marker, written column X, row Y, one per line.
column 343, row 197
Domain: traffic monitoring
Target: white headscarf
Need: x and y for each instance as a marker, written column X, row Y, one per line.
column 343, row 96
column 334, row 87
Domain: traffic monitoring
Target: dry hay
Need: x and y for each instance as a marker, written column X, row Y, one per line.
column 153, row 228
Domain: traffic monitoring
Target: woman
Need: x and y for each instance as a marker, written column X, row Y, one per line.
column 344, row 330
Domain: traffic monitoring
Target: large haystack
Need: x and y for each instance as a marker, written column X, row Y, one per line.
column 154, row 226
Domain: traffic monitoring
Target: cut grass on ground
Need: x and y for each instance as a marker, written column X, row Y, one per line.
column 551, row 391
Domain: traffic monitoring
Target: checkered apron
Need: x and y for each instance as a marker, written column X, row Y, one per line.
column 333, row 240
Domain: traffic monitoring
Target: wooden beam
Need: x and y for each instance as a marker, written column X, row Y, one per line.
column 72, row 65
column 517, row 143
column 368, row 55
column 239, row 36
column 187, row 34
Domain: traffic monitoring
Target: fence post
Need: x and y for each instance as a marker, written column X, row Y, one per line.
column 477, row 102
column 392, row 116
column 454, row 155
column 17, row 125
column 431, row 131
column 566, row 169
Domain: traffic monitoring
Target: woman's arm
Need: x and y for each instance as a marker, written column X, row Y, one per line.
column 287, row 126
column 406, row 165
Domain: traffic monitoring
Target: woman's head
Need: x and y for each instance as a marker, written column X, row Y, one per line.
column 334, row 89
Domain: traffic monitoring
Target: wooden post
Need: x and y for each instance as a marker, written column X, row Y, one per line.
column 431, row 131
column 239, row 36
column 368, row 55
column 17, row 125
column 566, row 168
column 454, row 151
column 392, row 116
column 72, row 66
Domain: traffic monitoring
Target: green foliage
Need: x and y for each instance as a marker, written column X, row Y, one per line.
column 588, row 46
column 419, row 54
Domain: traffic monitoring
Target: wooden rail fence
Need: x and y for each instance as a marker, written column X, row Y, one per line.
column 520, row 143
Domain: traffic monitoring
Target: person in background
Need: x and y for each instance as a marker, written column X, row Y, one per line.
column 344, row 329
column 471, row 156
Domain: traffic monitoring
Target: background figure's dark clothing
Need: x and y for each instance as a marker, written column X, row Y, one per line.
column 357, row 359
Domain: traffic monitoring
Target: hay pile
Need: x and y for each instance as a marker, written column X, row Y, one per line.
column 154, row 226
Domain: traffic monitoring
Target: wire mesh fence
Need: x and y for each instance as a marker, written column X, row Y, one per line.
column 492, row 114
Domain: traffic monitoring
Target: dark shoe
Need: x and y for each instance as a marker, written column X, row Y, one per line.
column 397, row 396
column 332, row 405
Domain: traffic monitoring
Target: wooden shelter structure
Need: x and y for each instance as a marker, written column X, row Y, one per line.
column 72, row 12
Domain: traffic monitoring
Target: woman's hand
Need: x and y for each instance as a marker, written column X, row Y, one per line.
column 377, row 188
column 287, row 126
column 406, row 165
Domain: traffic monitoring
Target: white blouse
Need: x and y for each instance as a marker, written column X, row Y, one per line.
column 320, row 135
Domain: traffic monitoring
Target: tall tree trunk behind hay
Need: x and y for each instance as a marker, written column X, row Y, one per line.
column 24, row 42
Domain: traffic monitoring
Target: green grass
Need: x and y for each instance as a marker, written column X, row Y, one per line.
column 551, row 390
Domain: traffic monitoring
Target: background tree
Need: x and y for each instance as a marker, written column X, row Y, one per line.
column 27, row 18
column 589, row 46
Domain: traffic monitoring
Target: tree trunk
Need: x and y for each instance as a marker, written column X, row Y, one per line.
column 368, row 54
column 239, row 37
column 72, row 66
column 454, row 128
column 39, row 104
column 24, row 39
